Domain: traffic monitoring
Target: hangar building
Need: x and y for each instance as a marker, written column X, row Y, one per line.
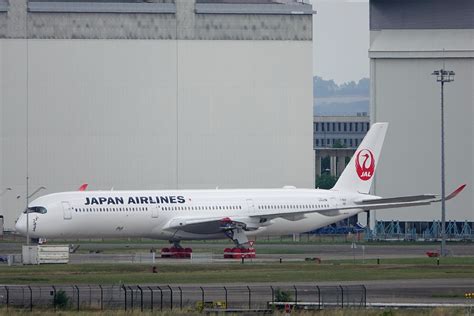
column 160, row 94
column 408, row 41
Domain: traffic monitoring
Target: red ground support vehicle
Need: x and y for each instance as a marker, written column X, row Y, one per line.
column 238, row 253
column 432, row 254
column 175, row 252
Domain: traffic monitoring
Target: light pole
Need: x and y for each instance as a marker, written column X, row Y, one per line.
column 5, row 191
column 443, row 76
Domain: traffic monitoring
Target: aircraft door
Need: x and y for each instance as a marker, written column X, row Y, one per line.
column 67, row 210
column 155, row 210
column 250, row 205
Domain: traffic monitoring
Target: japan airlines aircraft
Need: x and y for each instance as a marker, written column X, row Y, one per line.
column 177, row 215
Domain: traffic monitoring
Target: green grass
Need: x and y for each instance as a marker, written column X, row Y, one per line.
column 236, row 272
column 410, row 261
column 304, row 240
column 326, row 312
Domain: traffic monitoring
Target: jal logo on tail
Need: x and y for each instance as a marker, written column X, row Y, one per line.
column 365, row 164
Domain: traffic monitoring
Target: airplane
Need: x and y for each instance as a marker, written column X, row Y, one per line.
column 237, row 214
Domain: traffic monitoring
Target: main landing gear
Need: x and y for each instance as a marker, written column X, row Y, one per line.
column 238, row 253
column 235, row 232
column 176, row 251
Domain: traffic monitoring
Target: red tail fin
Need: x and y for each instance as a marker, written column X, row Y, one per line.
column 83, row 187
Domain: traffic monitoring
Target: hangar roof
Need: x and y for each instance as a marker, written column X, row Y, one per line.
column 157, row 19
column 421, row 14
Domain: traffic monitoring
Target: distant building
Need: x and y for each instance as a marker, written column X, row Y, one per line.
column 162, row 94
column 337, row 137
column 348, row 131
column 409, row 39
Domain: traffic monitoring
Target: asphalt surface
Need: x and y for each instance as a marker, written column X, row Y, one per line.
column 269, row 251
column 272, row 252
column 378, row 291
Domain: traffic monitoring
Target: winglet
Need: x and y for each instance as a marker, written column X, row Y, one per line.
column 83, row 187
column 455, row 192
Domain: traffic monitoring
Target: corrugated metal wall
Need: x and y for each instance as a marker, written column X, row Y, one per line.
column 409, row 40
column 155, row 114
column 153, row 101
column 408, row 97
column 429, row 14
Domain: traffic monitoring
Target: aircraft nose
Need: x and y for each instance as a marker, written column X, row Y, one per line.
column 20, row 225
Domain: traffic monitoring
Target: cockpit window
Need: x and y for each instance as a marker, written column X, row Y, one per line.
column 37, row 209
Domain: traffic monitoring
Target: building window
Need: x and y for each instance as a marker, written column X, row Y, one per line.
column 333, row 127
column 350, row 142
column 350, row 127
column 345, row 127
column 356, row 125
column 317, row 127
column 322, row 127
column 339, row 127
column 317, row 142
column 367, row 126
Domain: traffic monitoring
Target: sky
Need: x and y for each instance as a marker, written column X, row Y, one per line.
column 341, row 39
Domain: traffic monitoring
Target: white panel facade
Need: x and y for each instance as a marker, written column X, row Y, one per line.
column 242, row 119
column 406, row 95
column 155, row 114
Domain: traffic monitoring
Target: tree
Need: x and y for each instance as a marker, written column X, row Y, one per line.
column 338, row 144
column 325, row 181
column 328, row 88
column 282, row 296
column 61, row 300
column 324, row 88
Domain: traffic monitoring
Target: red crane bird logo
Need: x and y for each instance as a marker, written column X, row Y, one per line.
column 365, row 164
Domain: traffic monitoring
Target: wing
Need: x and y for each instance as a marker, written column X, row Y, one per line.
column 413, row 198
column 369, row 204
column 212, row 225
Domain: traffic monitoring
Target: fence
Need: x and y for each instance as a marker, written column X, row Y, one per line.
column 171, row 297
column 427, row 231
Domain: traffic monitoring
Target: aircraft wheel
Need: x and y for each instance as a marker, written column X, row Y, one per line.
column 187, row 252
column 165, row 253
column 237, row 253
column 228, row 253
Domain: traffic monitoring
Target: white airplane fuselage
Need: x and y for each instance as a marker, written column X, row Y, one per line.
column 214, row 214
column 148, row 213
